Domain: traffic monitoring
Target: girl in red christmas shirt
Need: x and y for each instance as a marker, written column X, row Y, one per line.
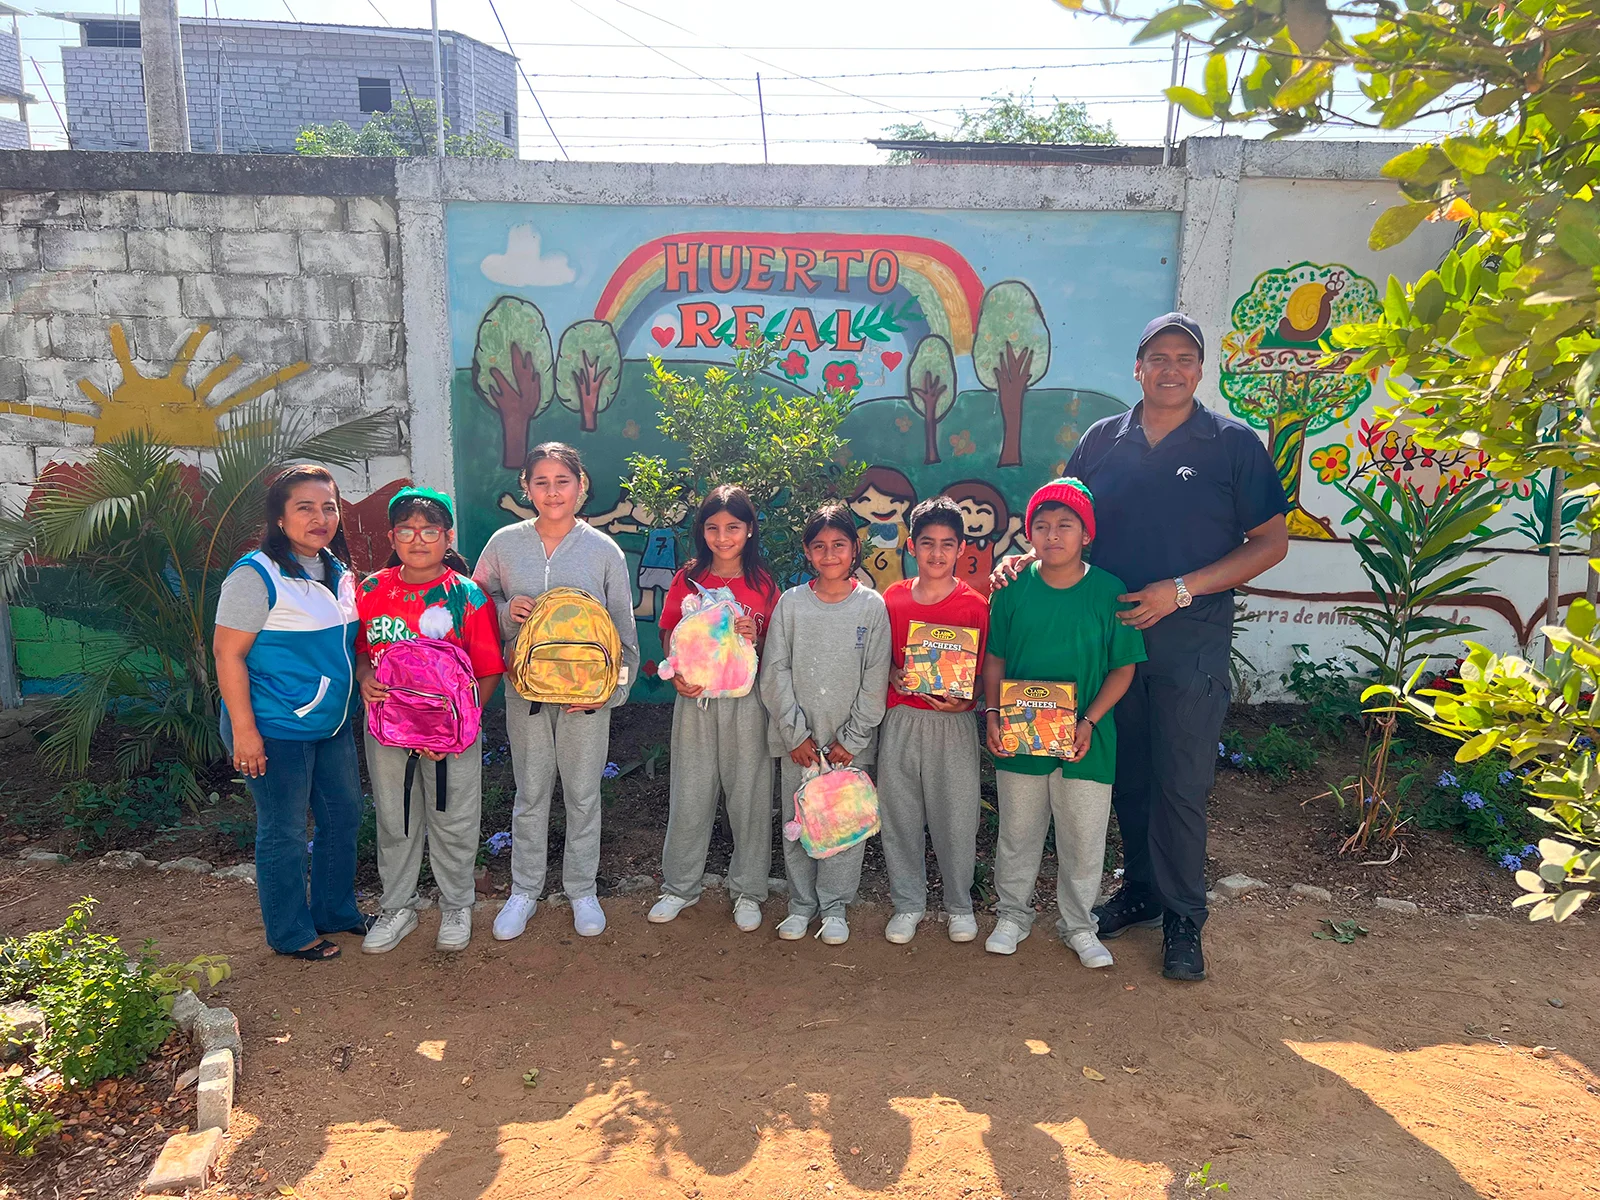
column 719, row 745
column 425, row 591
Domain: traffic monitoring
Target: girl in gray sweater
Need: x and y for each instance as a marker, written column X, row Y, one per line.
column 520, row 563
column 824, row 678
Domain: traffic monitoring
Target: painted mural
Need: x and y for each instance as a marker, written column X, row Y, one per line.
column 981, row 345
column 52, row 635
column 176, row 411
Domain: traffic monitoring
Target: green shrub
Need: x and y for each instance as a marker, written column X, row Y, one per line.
column 1330, row 690
column 22, row 1126
column 144, row 802
column 105, row 1013
column 1276, row 753
column 1483, row 806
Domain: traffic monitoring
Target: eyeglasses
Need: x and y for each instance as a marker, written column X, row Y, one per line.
column 406, row 534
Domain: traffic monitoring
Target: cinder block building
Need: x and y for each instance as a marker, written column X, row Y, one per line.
column 253, row 85
column 14, row 98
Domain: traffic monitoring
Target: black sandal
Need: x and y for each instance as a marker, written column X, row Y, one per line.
column 317, row 953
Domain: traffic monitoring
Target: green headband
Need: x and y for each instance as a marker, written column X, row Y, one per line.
column 424, row 493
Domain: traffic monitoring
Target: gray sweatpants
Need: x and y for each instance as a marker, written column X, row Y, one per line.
column 816, row 885
column 543, row 744
column 928, row 776
column 719, row 749
column 451, row 836
column 1081, row 809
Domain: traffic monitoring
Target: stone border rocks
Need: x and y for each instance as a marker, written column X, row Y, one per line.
column 187, row 1160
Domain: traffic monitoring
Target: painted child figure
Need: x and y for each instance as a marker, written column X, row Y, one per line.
column 928, row 752
column 719, row 746
column 823, row 678
column 1058, row 623
column 882, row 499
column 425, row 591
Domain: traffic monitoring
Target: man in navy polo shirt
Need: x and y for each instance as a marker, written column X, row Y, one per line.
column 1189, row 506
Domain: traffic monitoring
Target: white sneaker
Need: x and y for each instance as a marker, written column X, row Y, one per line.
column 666, row 908
column 1005, row 937
column 1091, row 951
column 834, row 931
column 389, row 930
column 747, row 914
column 588, row 918
column 902, row 927
column 513, row 916
column 963, row 928
column 793, row 927
column 455, row 929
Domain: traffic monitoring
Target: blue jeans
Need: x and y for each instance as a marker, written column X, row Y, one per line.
column 324, row 775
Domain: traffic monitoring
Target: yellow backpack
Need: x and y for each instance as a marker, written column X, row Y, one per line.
column 568, row 651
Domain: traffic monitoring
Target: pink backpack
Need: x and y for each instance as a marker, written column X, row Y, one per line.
column 835, row 808
column 433, row 704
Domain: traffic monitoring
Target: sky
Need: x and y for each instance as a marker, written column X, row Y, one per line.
column 675, row 80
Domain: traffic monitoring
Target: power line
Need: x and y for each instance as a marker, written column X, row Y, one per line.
column 656, row 50
column 1124, row 62
column 536, row 101
column 775, row 66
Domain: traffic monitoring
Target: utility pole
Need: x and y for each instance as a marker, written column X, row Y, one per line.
column 438, row 82
column 762, row 105
column 166, row 102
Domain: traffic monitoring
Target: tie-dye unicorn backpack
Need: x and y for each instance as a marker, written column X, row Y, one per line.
column 706, row 650
column 568, row 651
column 834, row 808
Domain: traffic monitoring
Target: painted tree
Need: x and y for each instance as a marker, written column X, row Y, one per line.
column 1280, row 377
column 588, row 369
column 1011, row 353
column 931, row 388
column 512, row 369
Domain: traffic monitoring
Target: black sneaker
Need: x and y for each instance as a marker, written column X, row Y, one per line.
column 1181, row 955
column 1127, row 910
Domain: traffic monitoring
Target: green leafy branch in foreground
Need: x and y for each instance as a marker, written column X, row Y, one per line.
column 1496, row 350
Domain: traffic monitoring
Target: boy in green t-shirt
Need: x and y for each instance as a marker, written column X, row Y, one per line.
column 1058, row 623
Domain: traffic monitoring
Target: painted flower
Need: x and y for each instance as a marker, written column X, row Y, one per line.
column 1331, row 463
column 841, row 376
column 651, row 666
column 962, row 443
column 1447, row 779
column 1510, row 861
column 1472, row 800
column 796, row 365
column 611, row 771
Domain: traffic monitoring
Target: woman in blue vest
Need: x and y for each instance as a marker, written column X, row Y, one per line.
column 286, row 624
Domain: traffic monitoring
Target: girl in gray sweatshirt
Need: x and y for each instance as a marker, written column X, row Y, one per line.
column 824, row 677
column 520, row 563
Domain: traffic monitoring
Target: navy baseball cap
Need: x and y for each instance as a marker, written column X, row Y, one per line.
column 1173, row 320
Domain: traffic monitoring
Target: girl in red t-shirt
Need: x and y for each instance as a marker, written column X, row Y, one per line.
column 425, row 591
column 719, row 745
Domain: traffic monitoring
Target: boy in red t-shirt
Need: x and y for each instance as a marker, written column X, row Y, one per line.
column 928, row 744
column 426, row 591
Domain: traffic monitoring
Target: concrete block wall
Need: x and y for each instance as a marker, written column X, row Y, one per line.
column 264, row 82
column 308, row 283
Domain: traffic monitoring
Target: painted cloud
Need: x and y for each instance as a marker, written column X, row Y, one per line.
column 523, row 264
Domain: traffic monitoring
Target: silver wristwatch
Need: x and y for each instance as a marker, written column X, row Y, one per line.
column 1184, row 598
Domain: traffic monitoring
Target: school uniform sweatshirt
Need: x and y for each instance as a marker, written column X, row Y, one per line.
column 514, row 564
column 825, row 671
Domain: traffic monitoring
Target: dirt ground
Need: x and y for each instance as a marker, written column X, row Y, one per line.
column 691, row 1060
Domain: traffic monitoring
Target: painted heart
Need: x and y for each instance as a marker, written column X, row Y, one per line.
column 891, row 358
column 663, row 334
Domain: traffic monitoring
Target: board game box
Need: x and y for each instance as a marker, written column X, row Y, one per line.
column 1038, row 717
column 941, row 660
